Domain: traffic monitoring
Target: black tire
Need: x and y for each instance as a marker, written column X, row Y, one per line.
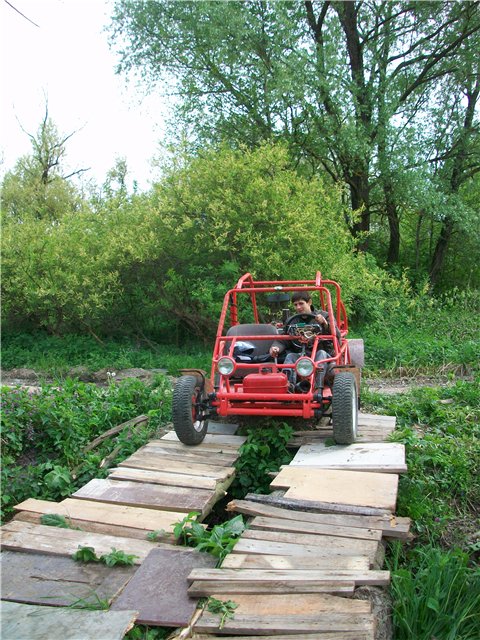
column 189, row 426
column 344, row 408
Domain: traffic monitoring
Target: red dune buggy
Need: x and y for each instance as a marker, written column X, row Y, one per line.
column 246, row 380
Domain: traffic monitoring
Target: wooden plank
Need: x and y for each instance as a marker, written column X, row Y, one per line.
column 25, row 536
column 291, row 604
column 150, row 496
column 281, row 524
column 300, row 577
column 253, row 561
column 371, row 419
column 152, row 462
column 392, row 526
column 158, row 589
column 203, row 447
column 346, row 487
column 202, row 588
column 224, row 428
column 165, row 458
column 162, row 477
column 169, row 447
column 315, row 622
column 100, row 527
column 316, row 506
column 343, row 546
column 381, row 457
column 25, row 621
column 35, row 578
column 84, row 511
column 213, row 438
column 329, row 635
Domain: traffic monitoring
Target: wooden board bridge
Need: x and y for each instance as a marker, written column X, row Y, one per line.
column 295, row 572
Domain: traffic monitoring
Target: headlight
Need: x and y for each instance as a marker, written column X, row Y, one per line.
column 304, row 367
column 226, row 366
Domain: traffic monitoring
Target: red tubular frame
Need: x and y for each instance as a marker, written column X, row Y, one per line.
column 230, row 399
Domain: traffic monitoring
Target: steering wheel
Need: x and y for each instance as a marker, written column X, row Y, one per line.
column 292, row 328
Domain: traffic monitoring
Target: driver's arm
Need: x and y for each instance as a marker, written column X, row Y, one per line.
column 276, row 348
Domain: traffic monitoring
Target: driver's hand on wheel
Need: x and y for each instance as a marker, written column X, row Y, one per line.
column 321, row 320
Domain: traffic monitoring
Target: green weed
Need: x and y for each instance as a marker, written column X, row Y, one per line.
column 224, row 608
column 436, row 594
column 265, row 450
column 219, row 541
column 56, row 520
column 112, row 559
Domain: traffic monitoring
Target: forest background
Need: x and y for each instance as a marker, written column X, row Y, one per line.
column 333, row 136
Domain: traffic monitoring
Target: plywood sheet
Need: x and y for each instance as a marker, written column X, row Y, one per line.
column 120, row 515
column 158, row 591
column 25, row 536
column 162, row 477
column 345, row 487
column 382, row 457
column 281, row 524
column 254, row 561
column 153, row 462
column 35, row 578
column 30, row 622
column 152, row 496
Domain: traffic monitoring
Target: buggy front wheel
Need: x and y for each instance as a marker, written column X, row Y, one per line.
column 344, row 408
column 188, row 414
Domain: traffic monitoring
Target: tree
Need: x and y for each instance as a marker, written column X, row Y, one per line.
column 39, row 186
column 342, row 82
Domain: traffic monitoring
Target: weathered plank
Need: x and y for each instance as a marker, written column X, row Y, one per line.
column 329, row 635
column 357, row 488
column 120, row 515
column 100, row 527
column 224, row 428
column 162, row 477
column 390, row 525
column 203, row 447
column 151, row 496
column 300, row 577
column 158, row 589
column 343, row 546
column 254, row 561
column 318, row 622
column 381, row 457
column 150, row 461
column 165, row 458
column 170, row 447
column 291, row 604
column 316, row 506
column 213, row 438
column 202, row 588
column 30, row 622
column 281, row 524
column 36, row 578
column 25, row 536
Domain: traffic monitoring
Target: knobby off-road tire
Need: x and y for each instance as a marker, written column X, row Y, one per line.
column 344, row 408
column 188, row 427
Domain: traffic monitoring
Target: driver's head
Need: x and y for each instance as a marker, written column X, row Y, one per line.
column 302, row 301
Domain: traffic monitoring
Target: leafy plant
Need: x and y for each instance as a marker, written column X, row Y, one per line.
column 265, row 450
column 144, row 632
column 219, row 541
column 118, row 558
column 56, row 520
column 224, row 608
column 156, row 535
column 85, row 554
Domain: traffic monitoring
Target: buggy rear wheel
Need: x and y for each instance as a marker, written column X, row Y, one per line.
column 344, row 408
column 188, row 416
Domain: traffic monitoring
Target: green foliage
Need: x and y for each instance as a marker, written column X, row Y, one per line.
column 143, row 632
column 44, row 434
column 224, row 608
column 112, row 559
column 440, row 428
column 85, row 554
column 265, row 450
column 118, row 558
column 219, row 541
column 56, row 520
column 156, row 535
column 436, row 594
